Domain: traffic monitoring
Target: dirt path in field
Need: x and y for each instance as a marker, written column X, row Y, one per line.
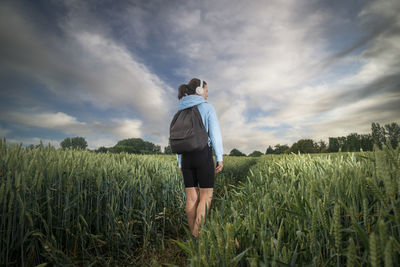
column 172, row 254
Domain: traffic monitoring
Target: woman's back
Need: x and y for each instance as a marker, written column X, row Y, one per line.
column 198, row 166
column 209, row 118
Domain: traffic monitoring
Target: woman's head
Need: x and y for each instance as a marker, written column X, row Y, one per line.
column 194, row 83
column 190, row 88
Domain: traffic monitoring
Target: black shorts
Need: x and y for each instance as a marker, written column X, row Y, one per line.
column 198, row 168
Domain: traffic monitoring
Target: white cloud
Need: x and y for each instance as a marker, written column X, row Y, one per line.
column 126, row 128
column 273, row 57
column 84, row 64
column 253, row 56
column 237, row 132
column 112, row 78
column 357, row 117
column 95, row 142
column 56, row 120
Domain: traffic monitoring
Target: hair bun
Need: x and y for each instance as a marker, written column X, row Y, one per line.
column 183, row 90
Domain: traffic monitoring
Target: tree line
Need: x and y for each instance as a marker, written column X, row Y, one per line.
column 131, row 145
column 388, row 134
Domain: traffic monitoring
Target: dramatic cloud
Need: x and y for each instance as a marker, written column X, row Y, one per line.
column 126, row 128
column 57, row 120
column 279, row 58
column 82, row 66
column 277, row 71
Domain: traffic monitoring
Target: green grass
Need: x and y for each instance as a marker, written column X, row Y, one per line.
column 67, row 207
column 326, row 210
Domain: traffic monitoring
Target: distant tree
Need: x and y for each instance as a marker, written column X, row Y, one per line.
column 342, row 143
column 378, row 134
column 75, row 142
column 167, row 150
column 102, row 149
column 135, row 146
column 333, row 145
column 304, row 146
column 280, row 149
column 236, row 152
column 156, row 149
column 294, row 148
column 322, row 147
column 66, row 143
column 255, row 153
column 270, row 150
column 353, row 142
column 366, row 142
column 127, row 149
column 392, row 131
column 79, row 142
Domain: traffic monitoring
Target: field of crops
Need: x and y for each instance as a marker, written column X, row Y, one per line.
column 66, row 207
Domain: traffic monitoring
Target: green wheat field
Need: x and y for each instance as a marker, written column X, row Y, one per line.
column 79, row 208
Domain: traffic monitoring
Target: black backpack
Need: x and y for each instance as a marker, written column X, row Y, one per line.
column 187, row 132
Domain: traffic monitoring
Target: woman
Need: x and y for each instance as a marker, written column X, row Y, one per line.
column 198, row 167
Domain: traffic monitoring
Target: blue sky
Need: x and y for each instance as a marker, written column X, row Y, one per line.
column 277, row 71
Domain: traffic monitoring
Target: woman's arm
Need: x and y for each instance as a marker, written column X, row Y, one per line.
column 215, row 134
column 179, row 157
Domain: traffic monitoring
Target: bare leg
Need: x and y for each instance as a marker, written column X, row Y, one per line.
column 192, row 199
column 205, row 201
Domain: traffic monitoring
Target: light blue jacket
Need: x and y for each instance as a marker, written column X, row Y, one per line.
column 210, row 121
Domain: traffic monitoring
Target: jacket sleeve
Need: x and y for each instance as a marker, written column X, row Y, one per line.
column 215, row 134
column 179, row 157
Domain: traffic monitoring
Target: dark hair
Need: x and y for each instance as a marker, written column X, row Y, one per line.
column 194, row 83
column 190, row 88
column 183, row 90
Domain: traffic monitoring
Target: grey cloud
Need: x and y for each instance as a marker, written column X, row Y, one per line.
column 81, row 65
column 359, row 119
column 382, row 59
column 376, row 21
column 358, row 44
column 378, row 77
column 384, row 85
column 254, row 54
column 384, row 112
